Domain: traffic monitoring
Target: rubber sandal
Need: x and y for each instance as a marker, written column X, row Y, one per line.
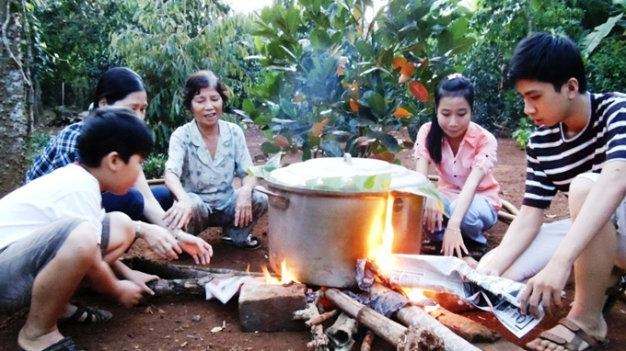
column 65, row 344
column 580, row 336
column 251, row 243
column 87, row 315
column 614, row 293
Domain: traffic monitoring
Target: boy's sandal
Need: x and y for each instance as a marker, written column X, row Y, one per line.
column 65, row 344
column 614, row 293
column 251, row 243
column 87, row 315
column 579, row 337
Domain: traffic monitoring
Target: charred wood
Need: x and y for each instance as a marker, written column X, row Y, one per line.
column 464, row 327
column 319, row 340
column 342, row 332
column 368, row 339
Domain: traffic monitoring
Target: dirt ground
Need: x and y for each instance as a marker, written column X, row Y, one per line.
column 185, row 323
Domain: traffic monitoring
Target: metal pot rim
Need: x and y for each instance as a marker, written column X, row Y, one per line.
column 326, row 193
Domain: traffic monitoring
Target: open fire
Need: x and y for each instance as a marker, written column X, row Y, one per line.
column 286, row 276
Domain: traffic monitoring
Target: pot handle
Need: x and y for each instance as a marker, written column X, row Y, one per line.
column 276, row 200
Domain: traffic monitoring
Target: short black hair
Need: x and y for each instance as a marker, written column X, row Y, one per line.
column 547, row 58
column 117, row 83
column 110, row 129
column 454, row 85
column 201, row 80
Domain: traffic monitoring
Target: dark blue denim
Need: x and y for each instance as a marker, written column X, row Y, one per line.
column 132, row 203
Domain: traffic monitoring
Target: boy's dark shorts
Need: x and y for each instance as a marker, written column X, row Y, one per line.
column 21, row 261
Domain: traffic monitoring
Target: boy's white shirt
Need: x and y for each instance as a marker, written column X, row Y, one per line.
column 68, row 192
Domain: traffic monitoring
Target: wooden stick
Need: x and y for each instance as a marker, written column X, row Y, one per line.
column 319, row 340
column 464, row 327
column 341, row 333
column 368, row 339
column 320, row 318
column 179, row 271
column 165, row 287
column 416, row 317
column 384, row 327
column 505, row 217
column 510, row 207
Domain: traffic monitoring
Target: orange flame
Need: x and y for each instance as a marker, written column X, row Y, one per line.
column 380, row 240
column 286, row 277
column 415, row 295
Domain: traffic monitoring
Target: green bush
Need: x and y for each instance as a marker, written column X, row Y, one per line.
column 606, row 68
column 331, row 78
column 70, row 44
column 154, row 166
column 166, row 41
column 36, row 143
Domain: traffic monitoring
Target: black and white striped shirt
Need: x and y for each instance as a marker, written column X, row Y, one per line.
column 554, row 160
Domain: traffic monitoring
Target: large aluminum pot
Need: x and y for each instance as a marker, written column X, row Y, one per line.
column 320, row 233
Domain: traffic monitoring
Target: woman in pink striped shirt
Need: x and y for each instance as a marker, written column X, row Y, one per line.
column 464, row 155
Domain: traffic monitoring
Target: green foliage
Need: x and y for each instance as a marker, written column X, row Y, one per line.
column 166, row 41
column 499, row 25
column 154, row 166
column 36, row 144
column 607, row 67
column 522, row 133
column 70, row 46
column 331, row 80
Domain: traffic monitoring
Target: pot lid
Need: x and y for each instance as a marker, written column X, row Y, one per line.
column 346, row 173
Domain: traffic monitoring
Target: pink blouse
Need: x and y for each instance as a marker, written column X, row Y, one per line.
column 477, row 149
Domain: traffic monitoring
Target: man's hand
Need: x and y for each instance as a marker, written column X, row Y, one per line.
column 127, row 293
column 545, row 288
column 433, row 219
column 453, row 242
column 243, row 208
column 197, row 248
column 179, row 215
column 141, row 278
column 161, row 241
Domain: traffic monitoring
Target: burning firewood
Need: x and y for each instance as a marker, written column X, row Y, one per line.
column 415, row 316
column 368, row 339
column 320, row 318
column 465, row 327
column 320, row 340
column 394, row 333
column 342, row 331
column 167, row 270
column 191, row 286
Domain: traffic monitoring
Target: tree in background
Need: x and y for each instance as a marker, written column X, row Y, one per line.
column 166, row 41
column 15, row 93
column 335, row 81
column 71, row 41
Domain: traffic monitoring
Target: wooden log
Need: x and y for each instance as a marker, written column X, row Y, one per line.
column 466, row 328
column 320, row 318
column 416, row 317
column 368, row 339
column 319, row 340
column 341, row 333
column 168, row 270
column 167, row 287
column 391, row 331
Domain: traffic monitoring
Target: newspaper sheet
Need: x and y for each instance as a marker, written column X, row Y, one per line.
column 498, row 295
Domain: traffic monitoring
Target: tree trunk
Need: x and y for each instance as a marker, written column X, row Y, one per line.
column 14, row 97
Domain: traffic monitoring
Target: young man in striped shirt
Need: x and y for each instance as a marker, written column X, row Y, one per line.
column 579, row 148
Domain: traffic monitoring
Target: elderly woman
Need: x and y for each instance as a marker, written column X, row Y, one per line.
column 205, row 155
